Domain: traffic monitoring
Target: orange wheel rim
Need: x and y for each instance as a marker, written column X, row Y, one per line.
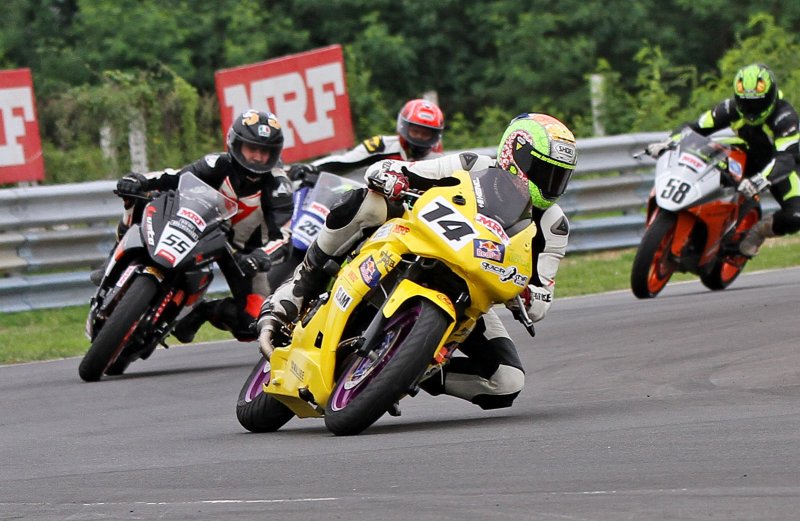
column 661, row 268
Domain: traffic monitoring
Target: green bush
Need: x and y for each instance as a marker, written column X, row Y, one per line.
column 179, row 125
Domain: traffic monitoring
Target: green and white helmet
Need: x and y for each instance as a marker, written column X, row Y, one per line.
column 540, row 149
column 756, row 92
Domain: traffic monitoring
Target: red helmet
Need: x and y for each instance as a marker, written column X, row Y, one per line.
column 419, row 125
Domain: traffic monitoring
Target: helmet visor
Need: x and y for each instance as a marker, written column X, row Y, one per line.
column 419, row 135
column 259, row 159
column 550, row 177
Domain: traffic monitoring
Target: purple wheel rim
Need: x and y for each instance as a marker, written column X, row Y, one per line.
column 256, row 384
column 362, row 370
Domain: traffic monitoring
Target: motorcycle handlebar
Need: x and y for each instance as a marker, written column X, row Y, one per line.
column 146, row 196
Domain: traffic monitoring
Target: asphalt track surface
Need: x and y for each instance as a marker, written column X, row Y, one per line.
column 681, row 407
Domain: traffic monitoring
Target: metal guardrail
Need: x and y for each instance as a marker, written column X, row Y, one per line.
column 71, row 227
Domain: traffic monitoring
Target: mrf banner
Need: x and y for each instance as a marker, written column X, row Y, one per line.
column 20, row 144
column 306, row 91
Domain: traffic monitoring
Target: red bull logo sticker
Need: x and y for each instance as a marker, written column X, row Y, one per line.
column 369, row 272
column 488, row 250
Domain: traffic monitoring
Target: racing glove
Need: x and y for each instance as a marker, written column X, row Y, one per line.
column 656, row 149
column 306, row 173
column 537, row 301
column 750, row 187
column 385, row 177
column 132, row 184
column 254, row 262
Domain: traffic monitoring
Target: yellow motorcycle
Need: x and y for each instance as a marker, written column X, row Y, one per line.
column 398, row 308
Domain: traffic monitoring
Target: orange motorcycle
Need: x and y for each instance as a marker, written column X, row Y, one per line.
column 695, row 217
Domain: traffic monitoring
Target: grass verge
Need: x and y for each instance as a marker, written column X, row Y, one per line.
column 57, row 333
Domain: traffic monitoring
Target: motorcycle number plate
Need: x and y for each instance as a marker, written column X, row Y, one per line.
column 174, row 245
column 448, row 223
column 306, row 228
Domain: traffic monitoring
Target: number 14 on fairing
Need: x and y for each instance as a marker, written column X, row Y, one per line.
column 448, row 222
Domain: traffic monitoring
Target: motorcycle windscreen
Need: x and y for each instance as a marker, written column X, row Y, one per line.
column 316, row 205
column 212, row 202
column 198, row 207
column 501, row 196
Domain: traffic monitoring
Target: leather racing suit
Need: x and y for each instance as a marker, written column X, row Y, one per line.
column 368, row 152
column 773, row 148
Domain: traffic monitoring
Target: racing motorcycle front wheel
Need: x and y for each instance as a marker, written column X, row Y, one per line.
column 652, row 266
column 369, row 386
column 118, row 329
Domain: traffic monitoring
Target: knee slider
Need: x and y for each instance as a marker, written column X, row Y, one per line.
column 344, row 212
column 490, row 401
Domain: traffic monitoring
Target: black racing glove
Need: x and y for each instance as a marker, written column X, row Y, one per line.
column 306, row 173
column 132, row 184
column 253, row 262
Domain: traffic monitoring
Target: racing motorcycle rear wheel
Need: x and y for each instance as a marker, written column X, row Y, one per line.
column 727, row 267
column 256, row 410
column 369, row 386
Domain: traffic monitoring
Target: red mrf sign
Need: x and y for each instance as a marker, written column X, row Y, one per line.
column 20, row 144
column 306, row 91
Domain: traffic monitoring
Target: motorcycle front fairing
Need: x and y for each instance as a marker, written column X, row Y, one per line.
column 689, row 183
column 175, row 224
column 683, row 180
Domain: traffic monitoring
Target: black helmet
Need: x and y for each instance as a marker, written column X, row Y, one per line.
column 261, row 130
column 756, row 92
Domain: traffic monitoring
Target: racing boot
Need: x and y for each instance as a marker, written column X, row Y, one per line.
column 284, row 305
column 755, row 237
column 188, row 326
column 96, row 276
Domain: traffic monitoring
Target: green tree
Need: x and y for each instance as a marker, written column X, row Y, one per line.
column 657, row 103
column 761, row 41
